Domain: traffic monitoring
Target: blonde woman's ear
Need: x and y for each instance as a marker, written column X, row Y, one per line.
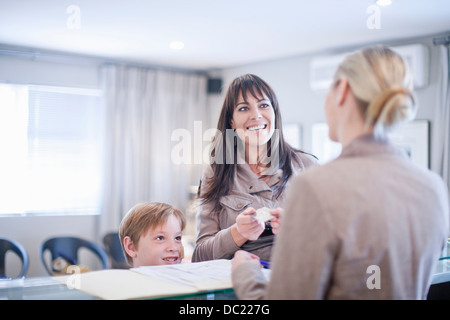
column 342, row 90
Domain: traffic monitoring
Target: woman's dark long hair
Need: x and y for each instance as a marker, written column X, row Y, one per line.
column 221, row 182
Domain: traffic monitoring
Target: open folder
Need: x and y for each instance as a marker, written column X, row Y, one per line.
column 154, row 281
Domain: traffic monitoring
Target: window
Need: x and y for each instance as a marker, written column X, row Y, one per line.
column 51, row 142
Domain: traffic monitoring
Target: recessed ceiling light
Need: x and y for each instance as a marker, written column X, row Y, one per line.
column 384, row 3
column 176, row 45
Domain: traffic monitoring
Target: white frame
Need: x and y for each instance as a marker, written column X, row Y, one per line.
column 292, row 133
column 322, row 146
column 414, row 137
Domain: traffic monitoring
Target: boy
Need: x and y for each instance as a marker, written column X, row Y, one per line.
column 150, row 234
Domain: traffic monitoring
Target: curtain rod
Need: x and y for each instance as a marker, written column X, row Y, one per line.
column 36, row 54
column 442, row 40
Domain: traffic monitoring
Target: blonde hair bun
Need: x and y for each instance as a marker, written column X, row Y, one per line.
column 382, row 84
column 391, row 107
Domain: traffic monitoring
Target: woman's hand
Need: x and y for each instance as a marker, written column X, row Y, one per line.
column 241, row 257
column 275, row 222
column 247, row 227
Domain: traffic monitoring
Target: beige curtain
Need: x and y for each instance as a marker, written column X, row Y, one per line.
column 144, row 107
column 441, row 121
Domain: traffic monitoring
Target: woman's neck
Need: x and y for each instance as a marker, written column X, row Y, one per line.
column 352, row 123
column 351, row 132
column 254, row 157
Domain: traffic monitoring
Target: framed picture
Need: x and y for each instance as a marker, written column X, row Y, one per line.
column 293, row 134
column 322, row 146
column 414, row 137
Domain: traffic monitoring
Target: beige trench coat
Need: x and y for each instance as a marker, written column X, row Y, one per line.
column 369, row 225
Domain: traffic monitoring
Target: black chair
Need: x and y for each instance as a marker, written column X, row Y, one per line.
column 113, row 247
column 10, row 245
column 67, row 247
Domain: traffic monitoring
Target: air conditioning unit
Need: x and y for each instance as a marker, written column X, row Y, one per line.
column 322, row 69
column 417, row 56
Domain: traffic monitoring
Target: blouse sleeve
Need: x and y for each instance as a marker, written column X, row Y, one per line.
column 304, row 252
column 212, row 242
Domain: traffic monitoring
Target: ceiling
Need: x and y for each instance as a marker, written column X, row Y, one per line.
column 216, row 34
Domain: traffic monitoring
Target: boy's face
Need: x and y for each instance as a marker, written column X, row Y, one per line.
column 160, row 245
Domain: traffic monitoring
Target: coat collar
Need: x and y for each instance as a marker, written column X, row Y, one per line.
column 252, row 183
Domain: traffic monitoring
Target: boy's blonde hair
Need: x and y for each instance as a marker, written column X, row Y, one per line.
column 145, row 216
column 382, row 84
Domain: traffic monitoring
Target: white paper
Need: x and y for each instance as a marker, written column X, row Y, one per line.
column 154, row 281
column 206, row 275
column 214, row 274
column 263, row 214
column 119, row 284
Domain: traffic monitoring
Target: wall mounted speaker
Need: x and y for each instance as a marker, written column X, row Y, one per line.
column 214, row 85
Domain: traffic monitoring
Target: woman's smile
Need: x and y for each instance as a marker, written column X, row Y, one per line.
column 257, row 127
column 253, row 119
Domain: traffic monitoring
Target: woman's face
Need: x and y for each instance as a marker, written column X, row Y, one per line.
column 253, row 119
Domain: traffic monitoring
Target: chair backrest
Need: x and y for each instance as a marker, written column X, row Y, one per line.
column 68, row 247
column 11, row 245
column 113, row 247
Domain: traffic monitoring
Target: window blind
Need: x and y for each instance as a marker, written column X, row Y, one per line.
column 52, row 147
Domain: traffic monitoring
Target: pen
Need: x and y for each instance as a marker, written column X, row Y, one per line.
column 265, row 264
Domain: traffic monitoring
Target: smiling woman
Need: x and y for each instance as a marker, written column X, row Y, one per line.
column 250, row 166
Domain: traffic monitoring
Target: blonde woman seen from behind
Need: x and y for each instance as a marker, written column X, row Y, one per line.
column 371, row 224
